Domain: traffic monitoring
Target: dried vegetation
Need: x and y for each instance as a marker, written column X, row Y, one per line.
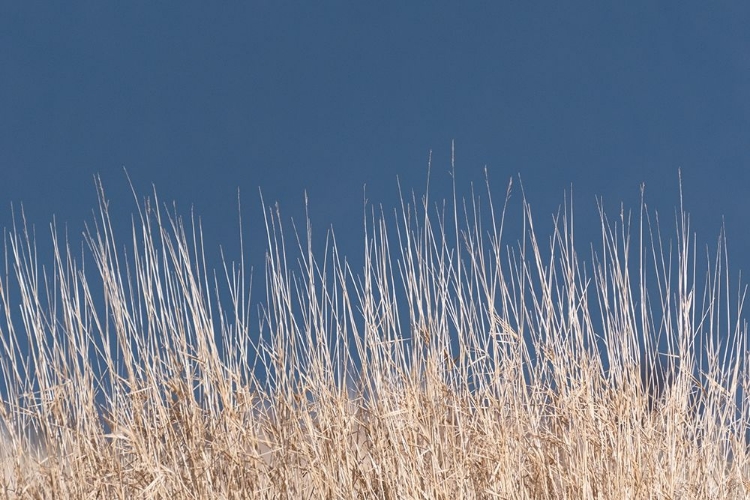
column 450, row 366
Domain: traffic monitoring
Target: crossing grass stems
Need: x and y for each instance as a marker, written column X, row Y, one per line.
column 451, row 365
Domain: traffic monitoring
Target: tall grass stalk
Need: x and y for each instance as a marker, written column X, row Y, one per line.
column 451, row 365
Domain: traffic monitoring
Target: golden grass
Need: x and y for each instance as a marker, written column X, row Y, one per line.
column 449, row 366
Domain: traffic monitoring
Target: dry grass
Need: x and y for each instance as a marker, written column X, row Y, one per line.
column 450, row 366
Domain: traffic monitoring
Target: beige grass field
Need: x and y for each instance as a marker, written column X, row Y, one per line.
column 458, row 362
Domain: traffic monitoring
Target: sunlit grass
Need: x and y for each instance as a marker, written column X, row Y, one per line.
column 451, row 365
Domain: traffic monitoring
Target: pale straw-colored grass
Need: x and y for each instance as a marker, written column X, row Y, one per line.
column 451, row 365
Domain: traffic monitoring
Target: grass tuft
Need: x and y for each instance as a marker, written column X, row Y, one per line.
column 451, row 365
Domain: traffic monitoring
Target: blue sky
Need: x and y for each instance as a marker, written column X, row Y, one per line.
column 203, row 98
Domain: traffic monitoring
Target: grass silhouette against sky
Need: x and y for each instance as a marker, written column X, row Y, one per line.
column 333, row 104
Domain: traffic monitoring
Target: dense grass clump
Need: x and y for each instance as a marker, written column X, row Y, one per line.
column 451, row 365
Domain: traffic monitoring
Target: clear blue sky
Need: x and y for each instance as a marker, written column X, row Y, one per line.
column 203, row 98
